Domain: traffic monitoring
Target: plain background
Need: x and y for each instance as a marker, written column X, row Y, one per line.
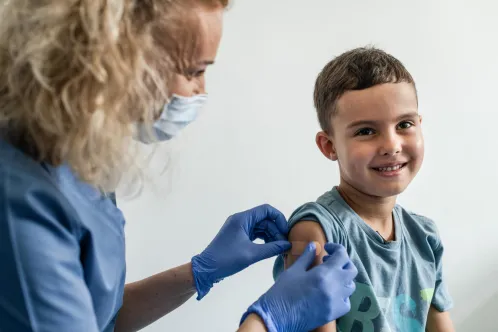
column 254, row 143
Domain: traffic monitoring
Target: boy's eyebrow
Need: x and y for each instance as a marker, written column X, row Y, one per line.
column 411, row 114
column 362, row 123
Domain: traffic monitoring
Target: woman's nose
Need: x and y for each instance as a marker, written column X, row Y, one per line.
column 200, row 87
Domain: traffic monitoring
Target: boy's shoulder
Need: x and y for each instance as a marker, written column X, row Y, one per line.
column 419, row 225
column 412, row 216
column 328, row 211
column 324, row 209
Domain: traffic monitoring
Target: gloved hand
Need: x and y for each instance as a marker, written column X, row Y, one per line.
column 302, row 300
column 233, row 249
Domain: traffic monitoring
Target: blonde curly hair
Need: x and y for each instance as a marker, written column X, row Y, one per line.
column 76, row 75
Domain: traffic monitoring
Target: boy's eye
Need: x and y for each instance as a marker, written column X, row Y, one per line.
column 405, row 125
column 365, row 132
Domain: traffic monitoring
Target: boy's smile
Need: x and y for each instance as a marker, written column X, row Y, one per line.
column 390, row 170
column 376, row 138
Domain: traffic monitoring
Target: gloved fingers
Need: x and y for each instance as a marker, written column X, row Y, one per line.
column 267, row 212
column 347, row 306
column 331, row 247
column 268, row 231
column 326, row 258
column 275, row 232
column 260, row 231
column 337, row 257
column 350, row 288
column 306, row 259
column 351, row 270
column 268, row 250
column 282, row 225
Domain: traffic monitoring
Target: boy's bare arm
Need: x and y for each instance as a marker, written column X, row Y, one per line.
column 439, row 321
column 253, row 323
column 301, row 234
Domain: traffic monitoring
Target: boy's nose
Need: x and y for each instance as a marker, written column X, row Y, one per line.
column 390, row 145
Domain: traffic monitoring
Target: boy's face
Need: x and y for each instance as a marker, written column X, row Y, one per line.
column 377, row 139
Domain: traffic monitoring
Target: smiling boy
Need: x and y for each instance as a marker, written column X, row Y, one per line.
column 367, row 106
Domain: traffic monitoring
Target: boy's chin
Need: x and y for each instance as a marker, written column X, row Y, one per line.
column 382, row 190
column 388, row 191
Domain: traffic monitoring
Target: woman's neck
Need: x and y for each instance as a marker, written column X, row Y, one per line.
column 377, row 212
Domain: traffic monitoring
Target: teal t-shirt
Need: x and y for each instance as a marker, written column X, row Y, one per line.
column 397, row 281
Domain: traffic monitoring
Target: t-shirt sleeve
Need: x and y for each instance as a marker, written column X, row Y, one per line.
column 441, row 300
column 42, row 285
column 312, row 211
column 316, row 212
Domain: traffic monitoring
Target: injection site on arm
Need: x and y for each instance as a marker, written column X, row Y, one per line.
column 302, row 233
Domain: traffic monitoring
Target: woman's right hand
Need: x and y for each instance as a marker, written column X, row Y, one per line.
column 302, row 300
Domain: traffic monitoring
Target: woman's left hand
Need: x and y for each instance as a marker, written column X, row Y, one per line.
column 233, row 249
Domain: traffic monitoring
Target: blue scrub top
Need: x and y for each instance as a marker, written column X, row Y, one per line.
column 62, row 249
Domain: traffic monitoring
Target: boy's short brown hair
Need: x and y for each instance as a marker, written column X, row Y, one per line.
column 357, row 69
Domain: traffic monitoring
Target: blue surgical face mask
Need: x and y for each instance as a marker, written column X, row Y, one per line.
column 176, row 115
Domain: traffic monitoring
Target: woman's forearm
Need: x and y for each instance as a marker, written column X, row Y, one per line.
column 148, row 300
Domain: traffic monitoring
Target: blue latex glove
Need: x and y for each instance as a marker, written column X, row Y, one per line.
column 302, row 300
column 233, row 249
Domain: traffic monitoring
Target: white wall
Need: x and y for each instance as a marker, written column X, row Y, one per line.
column 255, row 142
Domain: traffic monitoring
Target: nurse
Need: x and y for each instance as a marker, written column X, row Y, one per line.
column 79, row 80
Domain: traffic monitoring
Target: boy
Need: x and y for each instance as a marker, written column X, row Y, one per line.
column 367, row 107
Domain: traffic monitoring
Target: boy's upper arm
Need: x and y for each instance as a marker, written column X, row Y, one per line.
column 439, row 321
column 302, row 233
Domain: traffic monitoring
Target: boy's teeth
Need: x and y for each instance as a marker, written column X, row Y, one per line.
column 389, row 169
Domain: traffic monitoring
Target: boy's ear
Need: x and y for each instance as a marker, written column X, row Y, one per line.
column 326, row 145
column 420, row 118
